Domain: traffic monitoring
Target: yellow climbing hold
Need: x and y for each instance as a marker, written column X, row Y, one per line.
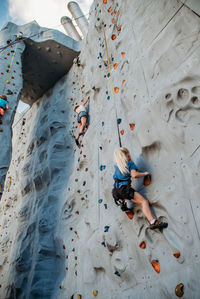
column 95, row 293
column 79, row 296
column 179, row 290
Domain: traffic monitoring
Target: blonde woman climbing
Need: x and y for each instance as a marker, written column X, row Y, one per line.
column 82, row 118
column 125, row 169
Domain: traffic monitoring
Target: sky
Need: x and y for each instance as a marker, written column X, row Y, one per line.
column 47, row 13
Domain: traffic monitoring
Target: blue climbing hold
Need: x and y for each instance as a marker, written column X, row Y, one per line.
column 99, row 38
column 100, row 200
column 119, row 121
column 102, row 123
column 100, row 148
column 106, row 92
column 108, row 75
column 106, row 228
column 105, row 64
column 117, row 273
column 103, row 243
column 104, row 76
column 98, row 19
column 108, row 97
column 102, row 167
column 112, row 58
column 100, row 66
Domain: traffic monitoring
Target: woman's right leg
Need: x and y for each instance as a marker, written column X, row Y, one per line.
column 140, row 200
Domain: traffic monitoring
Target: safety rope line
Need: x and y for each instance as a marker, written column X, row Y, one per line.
column 9, row 69
column 111, row 80
column 4, row 205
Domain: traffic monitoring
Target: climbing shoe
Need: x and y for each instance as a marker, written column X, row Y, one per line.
column 77, row 143
column 158, row 224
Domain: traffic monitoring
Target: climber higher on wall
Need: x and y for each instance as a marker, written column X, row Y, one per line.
column 82, row 119
column 3, row 106
column 124, row 170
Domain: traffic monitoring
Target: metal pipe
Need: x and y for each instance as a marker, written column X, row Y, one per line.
column 79, row 17
column 69, row 28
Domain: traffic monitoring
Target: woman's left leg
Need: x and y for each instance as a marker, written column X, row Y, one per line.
column 140, row 200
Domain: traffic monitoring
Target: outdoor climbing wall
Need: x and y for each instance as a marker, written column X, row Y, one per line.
column 21, row 78
column 69, row 239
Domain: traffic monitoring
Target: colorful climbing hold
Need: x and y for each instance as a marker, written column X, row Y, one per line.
column 113, row 20
column 100, row 200
column 64, row 246
column 103, row 243
column 132, row 126
column 156, row 265
column 123, row 82
column 104, row 1
column 123, row 54
column 106, row 228
column 100, row 148
column 113, row 37
column 116, row 89
column 79, row 296
column 130, row 214
column 109, row 9
column 117, row 273
column 77, row 212
column 95, row 293
column 105, row 205
column 122, row 132
column 115, row 65
column 102, row 167
column 176, row 254
column 86, row 169
column 108, row 97
column 102, row 123
column 119, row 121
column 142, row 245
column 179, row 290
column 147, row 180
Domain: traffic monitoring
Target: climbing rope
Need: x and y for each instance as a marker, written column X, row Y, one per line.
column 111, row 80
column 9, row 69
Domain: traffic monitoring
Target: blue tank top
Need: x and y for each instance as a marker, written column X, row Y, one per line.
column 123, row 177
column 3, row 103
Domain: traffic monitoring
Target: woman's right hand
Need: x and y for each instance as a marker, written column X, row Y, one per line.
column 146, row 173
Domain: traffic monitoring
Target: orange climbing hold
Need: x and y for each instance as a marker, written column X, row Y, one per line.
column 113, row 20
column 123, row 82
column 132, row 126
column 142, row 245
column 177, row 254
column 122, row 132
column 95, row 293
column 130, row 214
column 104, row 1
column 109, row 9
column 123, row 54
column 115, row 65
column 147, row 180
column 156, row 265
column 113, row 37
column 116, row 89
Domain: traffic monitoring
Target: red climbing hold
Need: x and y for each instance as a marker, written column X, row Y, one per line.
column 142, row 245
column 122, row 132
column 80, row 152
column 130, row 214
column 123, row 82
column 77, row 212
column 132, row 126
column 64, row 247
column 78, row 191
column 113, row 37
column 84, row 156
column 177, row 254
column 20, row 75
column 115, row 65
column 123, row 54
column 156, row 265
column 71, row 228
column 1, row 73
column 116, row 89
column 86, row 169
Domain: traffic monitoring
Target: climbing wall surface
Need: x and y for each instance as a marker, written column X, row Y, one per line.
column 62, row 235
column 24, row 52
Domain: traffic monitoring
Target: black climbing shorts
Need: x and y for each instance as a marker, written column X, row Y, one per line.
column 124, row 192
